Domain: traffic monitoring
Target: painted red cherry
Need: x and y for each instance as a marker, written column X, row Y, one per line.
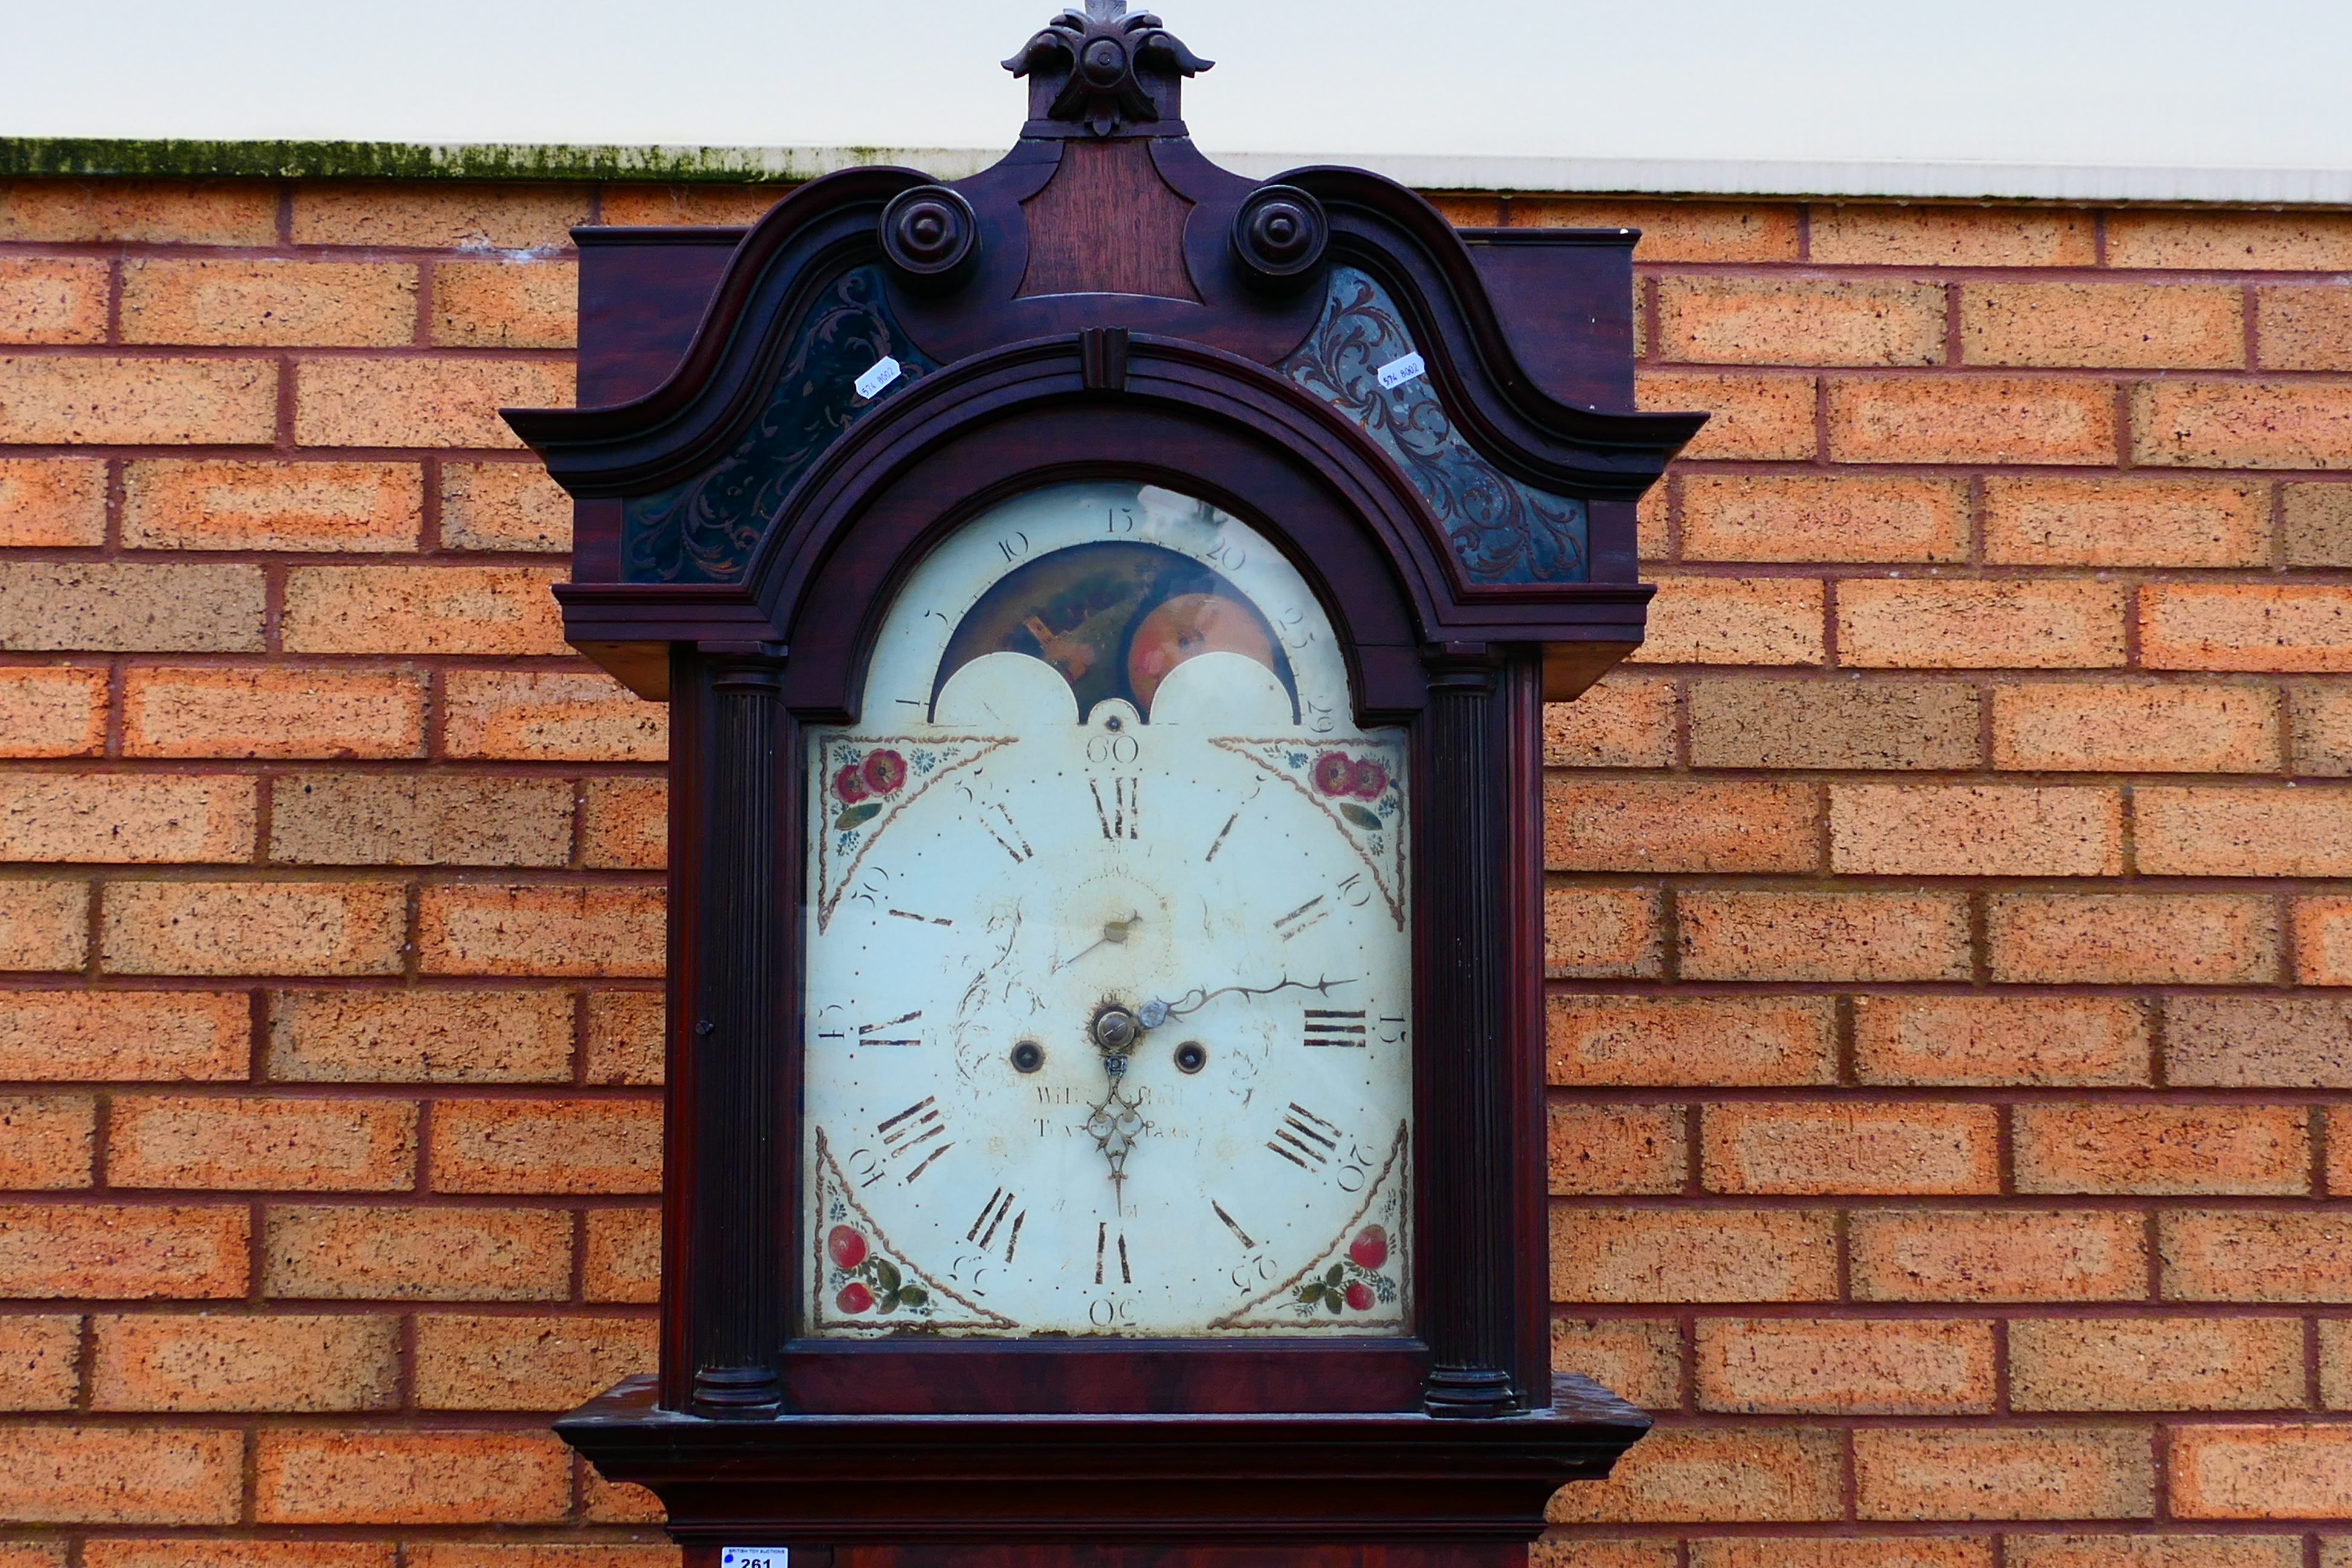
column 885, row 771
column 1359, row 1297
column 845, row 1247
column 1367, row 779
column 1334, row 772
column 853, row 1299
column 1370, row 1248
column 849, row 783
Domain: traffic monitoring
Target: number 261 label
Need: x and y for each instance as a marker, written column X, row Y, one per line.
column 753, row 1557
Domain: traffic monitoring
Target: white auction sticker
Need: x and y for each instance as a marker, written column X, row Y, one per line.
column 886, row 371
column 760, row 1556
column 1397, row 371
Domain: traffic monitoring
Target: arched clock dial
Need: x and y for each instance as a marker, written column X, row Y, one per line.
column 1107, row 940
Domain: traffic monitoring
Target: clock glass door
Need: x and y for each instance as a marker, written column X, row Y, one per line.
column 1107, row 948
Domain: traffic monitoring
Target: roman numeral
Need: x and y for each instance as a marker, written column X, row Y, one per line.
column 1010, row 839
column 921, row 919
column 1239, row 1234
column 1298, row 920
column 1304, row 1139
column 1121, row 815
column 1102, row 1251
column 1219, row 843
column 1102, row 1235
column 991, row 1219
column 908, row 1130
column 1335, row 1027
column 865, row 1032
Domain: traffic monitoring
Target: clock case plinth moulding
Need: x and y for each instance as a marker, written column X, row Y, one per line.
column 1105, row 303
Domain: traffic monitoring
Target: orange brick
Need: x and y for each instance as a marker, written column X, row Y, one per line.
column 1728, row 1040
column 2305, row 328
column 1640, row 1362
column 124, row 1036
column 423, row 609
column 526, row 1364
column 620, row 1255
column 519, row 304
column 1837, row 723
column 503, row 506
column 46, row 1140
column 2245, row 625
column 1755, row 1474
column 623, row 1036
column 1615, row 1149
column 2037, row 625
column 37, row 1362
column 1990, row 1255
column 2215, row 1255
column 2162, row 1149
column 113, row 400
column 43, row 925
column 420, row 1036
column 2130, row 939
column 1752, row 1147
column 188, row 1551
column 1845, row 1551
column 2256, row 1042
column 52, row 502
column 254, row 928
column 548, row 930
column 2132, row 727
column 2335, row 1358
column 2034, row 1040
column 2317, row 524
column 2112, row 521
column 2186, row 831
column 122, row 1251
column 2242, row 425
column 546, row 1146
column 277, row 1362
column 2189, row 326
column 275, row 1145
column 1693, row 1255
column 1875, row 235
column 1734, row 620
column 1803, row 517
column 2230, row 241
column 1730, row 319
column 2154, row 1364
column 2320, row 719
column 52, row 299
column 121, row 818
column 277, row 303
column 1844, row 1366
column 113, row 607
column 110, row 1474
column 420, row 402
column 2260, row 1472
column 459, row 216
column 273, row 712
column 1975, row 830
column 625, row 825
column 418, row 1253
column 1652, row 522
column 52, row 711
column 350, row 507
column 1643, row 825
column 2338, row 1174
column 409, row 1477
column 356, row 819
column 1623, row 721
column 1601, row 932
column 1971, row 419
column 591, row 718
column 1822, row 936
column 1670, row 230
column 1769, row 418
column 147, row 212
column 631, row 203
column 2008, row 1473
column 616, row 1502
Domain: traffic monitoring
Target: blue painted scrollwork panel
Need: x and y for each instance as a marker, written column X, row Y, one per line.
column 1502, row 530
column 705, row 529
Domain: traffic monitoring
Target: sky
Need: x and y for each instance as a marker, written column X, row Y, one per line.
column 2248, row 84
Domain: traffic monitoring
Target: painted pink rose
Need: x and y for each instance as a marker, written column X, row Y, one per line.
column 854, row 1297
column 849, row 783
column 1367, row 779
column 1359, row 1297
column 845, row 1247
column 885, row 771
column 1334, row 772
column 1370, row 1248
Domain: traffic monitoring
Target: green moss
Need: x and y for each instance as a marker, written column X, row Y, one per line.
column 94, row 157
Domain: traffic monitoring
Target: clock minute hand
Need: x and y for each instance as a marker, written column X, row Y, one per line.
column 1192, row 1001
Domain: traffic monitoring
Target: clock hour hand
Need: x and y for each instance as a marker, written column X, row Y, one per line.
column 1114, row 933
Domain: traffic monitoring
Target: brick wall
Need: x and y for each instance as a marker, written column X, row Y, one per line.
column 1949, row 1090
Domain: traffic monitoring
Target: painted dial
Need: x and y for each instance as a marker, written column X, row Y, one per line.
column 1107, row 947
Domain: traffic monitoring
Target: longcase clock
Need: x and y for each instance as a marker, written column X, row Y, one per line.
column 1104, row 605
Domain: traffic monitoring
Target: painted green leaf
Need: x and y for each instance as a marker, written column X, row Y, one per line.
column 1311, row 1292
column 1349, row 809
column 886, row 1275
column 1334, row 1275
column 913, row 1295
column 885, row 1301
column 1333, row 1302
column 857, row 815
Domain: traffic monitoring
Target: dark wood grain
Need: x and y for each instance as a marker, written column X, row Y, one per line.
column 1106, row 224
column 1565, row 299
column 1219, row 1377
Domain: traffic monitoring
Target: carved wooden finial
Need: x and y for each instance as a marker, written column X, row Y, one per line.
column 1102, row 69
